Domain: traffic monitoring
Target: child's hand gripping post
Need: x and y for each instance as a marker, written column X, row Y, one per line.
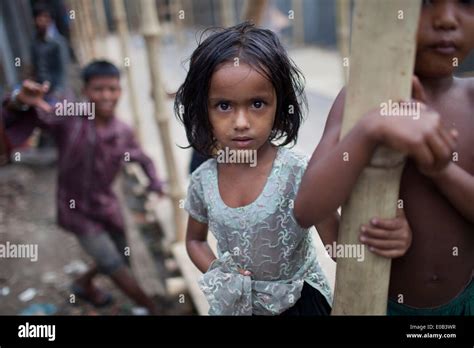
column 390, row 238
column 421, row 136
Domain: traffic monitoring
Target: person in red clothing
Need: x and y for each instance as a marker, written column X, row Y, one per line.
column 93, row 146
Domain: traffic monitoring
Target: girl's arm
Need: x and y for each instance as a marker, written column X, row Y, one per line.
column 328, row 229
column 196, row 245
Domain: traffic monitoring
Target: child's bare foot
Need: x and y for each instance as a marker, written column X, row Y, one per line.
column 92, row 294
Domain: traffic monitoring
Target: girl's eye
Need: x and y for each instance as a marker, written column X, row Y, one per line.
column 258, row 104
column 467, row 2
column 223, row 106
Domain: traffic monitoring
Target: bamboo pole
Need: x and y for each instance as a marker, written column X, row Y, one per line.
column 141, row 260
column 88, row 26
column 298, row 22
column 120, row 20
column 151, row 32
column 343, row 19
column 75, row 40
column 177, row 12
column 101, row 19
column 227, row 12
column 83, row 35
column 382, row 59
column 82, row 46
column 189, row 8
column 254, row 10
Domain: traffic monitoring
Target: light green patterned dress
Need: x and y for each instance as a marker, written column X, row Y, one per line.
column 262, row 237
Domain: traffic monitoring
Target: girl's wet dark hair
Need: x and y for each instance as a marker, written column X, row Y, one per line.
column 257, row 47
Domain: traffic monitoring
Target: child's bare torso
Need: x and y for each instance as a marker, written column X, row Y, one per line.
column 440, row 262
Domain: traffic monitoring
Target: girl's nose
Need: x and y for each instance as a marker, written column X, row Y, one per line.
column 445, row 17
column 241, row 120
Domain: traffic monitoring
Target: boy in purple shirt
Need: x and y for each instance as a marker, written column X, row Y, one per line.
column 93, row 145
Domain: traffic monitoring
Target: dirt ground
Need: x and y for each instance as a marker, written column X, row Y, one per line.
column 27, row 216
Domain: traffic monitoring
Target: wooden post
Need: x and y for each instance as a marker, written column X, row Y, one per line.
column 101, row 19
column 120, row 19
column 75, row 39
column 343, row 20
column 254, row 10
column 81, row 45
column 298, row 22
column 189, row 8
column 88, row 26
column 382, row 60
column 151, row 32
column 178, row 16
column 227, row 12
column 84, row 35
column 141, row 260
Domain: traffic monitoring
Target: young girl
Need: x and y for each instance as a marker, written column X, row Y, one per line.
column 243, row 94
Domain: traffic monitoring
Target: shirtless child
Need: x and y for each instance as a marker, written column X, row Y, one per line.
column 435, row 276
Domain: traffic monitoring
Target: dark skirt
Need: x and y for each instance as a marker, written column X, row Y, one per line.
column 311, row 302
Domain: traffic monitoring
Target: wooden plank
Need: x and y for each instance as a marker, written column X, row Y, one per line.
column 382, row 64
column 191, row 274
column 89, row 29
column 151, row 31
column 142, row 262
column 120, row 19
column 152, row 206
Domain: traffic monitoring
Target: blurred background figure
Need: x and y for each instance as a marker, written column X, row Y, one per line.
column 49, row 52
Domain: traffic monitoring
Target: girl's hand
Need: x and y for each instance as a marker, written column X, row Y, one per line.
column 390, row 238
column 245, row 272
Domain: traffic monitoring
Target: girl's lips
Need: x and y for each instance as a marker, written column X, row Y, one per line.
column 244, row 142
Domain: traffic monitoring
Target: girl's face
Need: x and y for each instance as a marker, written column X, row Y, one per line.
column 445, row 36
column 242, row 106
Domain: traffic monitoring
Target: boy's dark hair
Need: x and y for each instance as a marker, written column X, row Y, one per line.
column 257, row 47
column 40, row 9
column 99, row 68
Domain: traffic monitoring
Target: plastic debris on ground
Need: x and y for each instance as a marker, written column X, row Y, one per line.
column 27, row 295
column 75, row 267
column 40, row 309
column 139, row 311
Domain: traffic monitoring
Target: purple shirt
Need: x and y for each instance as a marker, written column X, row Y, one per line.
column 89, row 159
